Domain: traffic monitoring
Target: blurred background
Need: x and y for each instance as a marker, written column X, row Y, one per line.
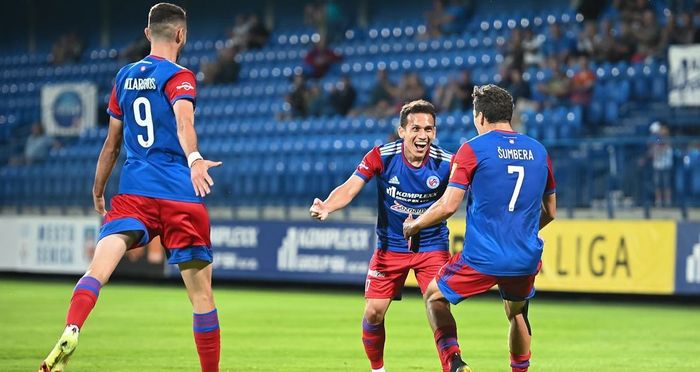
column 293, row 93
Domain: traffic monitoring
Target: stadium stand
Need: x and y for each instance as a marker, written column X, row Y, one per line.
column 274, row 160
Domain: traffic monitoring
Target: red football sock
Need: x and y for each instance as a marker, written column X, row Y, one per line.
column 84, row 298
column 447, row 345
column 207, row 336
column 373, row 337
column 520, row 363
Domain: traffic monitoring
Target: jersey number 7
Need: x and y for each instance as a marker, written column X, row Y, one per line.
column 520, row 170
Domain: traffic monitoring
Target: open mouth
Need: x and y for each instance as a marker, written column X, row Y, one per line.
column 421, row 146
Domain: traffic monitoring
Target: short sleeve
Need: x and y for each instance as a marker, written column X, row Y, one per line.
column 182, row 85
column 113, row 108
column 551, row 183
column 370, row 165
column 463, row 167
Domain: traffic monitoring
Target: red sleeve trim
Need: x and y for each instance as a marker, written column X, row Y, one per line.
column 182, row 85
column 551, row 182
column 370, row 165
column 113, row 108
column 463, row 167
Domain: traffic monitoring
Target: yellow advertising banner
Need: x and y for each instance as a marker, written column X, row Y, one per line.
column 617, row 256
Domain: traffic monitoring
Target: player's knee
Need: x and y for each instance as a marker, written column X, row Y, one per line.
column 514, row 308
column 374, row 314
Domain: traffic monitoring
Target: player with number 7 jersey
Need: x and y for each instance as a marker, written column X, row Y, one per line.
column 511, row 196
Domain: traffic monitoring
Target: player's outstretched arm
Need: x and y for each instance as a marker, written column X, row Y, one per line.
column 105, row 163
column 440, row 211
column 549, row 209
column 186, row 134
column 337, row 199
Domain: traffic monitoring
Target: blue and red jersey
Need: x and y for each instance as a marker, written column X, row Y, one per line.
column 506, row 175
column 142, row 98
column 404, row 189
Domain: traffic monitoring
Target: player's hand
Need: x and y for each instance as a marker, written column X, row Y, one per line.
column 99, row 203
column 201, row 180
column 318, row 210
column 410, row 227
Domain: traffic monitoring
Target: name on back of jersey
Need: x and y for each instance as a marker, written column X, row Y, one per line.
column 515, row 154
column 140, row 84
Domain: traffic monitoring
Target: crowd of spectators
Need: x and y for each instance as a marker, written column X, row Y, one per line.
column 248, row 32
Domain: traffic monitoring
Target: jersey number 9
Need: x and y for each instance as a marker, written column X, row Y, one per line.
column 145, row 120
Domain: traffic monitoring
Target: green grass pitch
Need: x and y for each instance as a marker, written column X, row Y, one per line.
column 148, row 328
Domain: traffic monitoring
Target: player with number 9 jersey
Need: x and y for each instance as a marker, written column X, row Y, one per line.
column 143, row 95
column 163, row 182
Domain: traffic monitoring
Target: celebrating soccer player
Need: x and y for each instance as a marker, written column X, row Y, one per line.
column 162, row 185
column 411, row 174
column 509, row 176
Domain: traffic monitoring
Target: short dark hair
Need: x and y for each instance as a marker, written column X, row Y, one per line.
column 419, row 106
column 494, row 102
column 164, row 17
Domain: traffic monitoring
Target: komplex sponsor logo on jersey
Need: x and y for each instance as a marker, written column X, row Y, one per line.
column 410, row 197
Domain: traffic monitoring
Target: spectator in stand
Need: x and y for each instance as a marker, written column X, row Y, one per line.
column 522, row 96
column 316, row 102
column 516, row 86
column 296, row 99
column 247, row 33
column 582, row 83
column 67, row 49
column 585, row 42
column 36, row 147
column 532, row 48
column 327, row 18
column 257, row 34
column 381, row 99
column 648, row 37
column 136, row 50
column 455, row 94
column 683, row 32
column 557, row 89
column 632, row 11
column 625, row 44
column 319, row 60
column 224, row 69
column 661, row 155
column 604, row 42
column 343, row 96
column 513, row 50
column 557, row 44
column 410, row 89
column 445, row 19
column 238, row 36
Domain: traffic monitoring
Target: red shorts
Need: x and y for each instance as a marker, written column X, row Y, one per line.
column 458, row 281
column 388, row 271
column 183, row 227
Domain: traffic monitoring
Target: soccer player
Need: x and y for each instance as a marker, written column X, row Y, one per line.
column 162, row 185
column 512, row 196
column 411, row 174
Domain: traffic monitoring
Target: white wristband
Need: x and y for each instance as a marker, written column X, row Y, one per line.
column 192, row 157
